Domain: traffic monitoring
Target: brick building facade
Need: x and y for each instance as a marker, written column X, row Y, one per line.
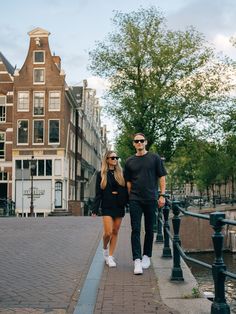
column 48, row 131
column 6, row 131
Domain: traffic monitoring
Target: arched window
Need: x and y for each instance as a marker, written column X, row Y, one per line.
column 58, row 194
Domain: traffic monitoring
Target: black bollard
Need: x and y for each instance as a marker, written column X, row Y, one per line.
column 177, row 273
column 219, row 305
column 166, row 249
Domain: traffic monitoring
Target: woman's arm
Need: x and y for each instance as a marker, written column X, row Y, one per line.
column 98, row 196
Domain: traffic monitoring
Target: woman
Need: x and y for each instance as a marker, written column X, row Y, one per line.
column 111, row 196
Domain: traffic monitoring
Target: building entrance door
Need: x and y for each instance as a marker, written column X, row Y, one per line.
column 58, row 195
column 3, row 190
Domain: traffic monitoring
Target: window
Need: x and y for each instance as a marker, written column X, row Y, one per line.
column 54, row 101
column 39, row 57
column 39, row 103
column 23, row 101
column 43, row 167
column 39, row 76
column 54, row 131
column 38, row 127
column 2, row 108
column 57, row 167
column 2, row 113
column 23, row 132
column 3, row 176
column 2, row 145
column 48, row 167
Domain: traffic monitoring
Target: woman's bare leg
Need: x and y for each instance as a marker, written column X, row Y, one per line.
column 114, row 235
column 107, row 230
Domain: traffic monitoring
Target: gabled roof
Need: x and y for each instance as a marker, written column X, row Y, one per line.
column 10, row 69
column 39, row 32
column 77, row 91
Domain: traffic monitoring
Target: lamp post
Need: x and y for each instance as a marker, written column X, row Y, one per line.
column 32, row 169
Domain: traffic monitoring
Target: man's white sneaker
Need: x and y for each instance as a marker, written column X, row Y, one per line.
column 110, row 261
column 146, row 262
column 138, row 270
column 105, row 254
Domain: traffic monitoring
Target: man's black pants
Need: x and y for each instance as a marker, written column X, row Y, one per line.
column 137, row 208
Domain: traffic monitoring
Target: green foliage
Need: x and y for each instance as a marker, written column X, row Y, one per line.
column 162, row 82
column 195, row 293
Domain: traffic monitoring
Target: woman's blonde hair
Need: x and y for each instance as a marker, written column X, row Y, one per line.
column 118, row 172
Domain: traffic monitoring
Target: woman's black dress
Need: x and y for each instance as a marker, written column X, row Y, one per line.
column 111, row 204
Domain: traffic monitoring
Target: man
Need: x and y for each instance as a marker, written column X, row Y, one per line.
column 142, row 171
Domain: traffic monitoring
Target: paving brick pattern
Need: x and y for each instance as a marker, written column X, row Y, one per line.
column 122, row 292
column 44, row 261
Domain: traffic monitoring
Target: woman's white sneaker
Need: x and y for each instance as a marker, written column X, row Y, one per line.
column 110, row 261
column 105, row 254
column 138, row 270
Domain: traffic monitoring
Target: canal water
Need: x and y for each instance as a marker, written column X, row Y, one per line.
column 204, row 275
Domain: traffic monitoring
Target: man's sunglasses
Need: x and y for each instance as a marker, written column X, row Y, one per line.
column 113, row 157
column 139, row 141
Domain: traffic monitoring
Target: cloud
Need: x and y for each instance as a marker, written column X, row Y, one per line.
column 98, row 83
column 222, row 43
column 207, row 16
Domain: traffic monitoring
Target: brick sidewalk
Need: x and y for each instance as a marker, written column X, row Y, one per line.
column 44, row 262
column 122, row 292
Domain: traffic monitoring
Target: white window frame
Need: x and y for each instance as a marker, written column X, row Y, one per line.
column 39, row 92
column 40, row 82
column 18, row 121
column 54, row 143
column 49, row 98
column 3, row 116
column 26, row 107
column 38, row 143
column 38, row 62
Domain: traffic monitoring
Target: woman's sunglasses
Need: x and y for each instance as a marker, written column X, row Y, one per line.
column 113, row 157
column 139, row 141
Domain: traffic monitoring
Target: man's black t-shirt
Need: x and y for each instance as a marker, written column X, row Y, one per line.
column 143, row 172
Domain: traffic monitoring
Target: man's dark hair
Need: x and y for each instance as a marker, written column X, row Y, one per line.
column 139, row 134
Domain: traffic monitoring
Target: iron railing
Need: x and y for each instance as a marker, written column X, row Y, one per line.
column 7, row 207
column 219, row 270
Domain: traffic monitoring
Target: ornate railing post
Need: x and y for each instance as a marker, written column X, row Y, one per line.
column 166, row 249
column 177, row 273
column 219, row 305
column 159, row 237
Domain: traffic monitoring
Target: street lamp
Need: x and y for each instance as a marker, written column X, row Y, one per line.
column 32, row 172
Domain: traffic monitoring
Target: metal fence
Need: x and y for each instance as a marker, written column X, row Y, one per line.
column 7, row 207
column 219, row 270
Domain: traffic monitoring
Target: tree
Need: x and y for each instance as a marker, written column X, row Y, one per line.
column 160, row 80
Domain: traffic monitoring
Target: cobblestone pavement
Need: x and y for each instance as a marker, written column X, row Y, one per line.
column 121, row 291
column 44, row 262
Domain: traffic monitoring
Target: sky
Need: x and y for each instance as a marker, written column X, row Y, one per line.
column 76, row 25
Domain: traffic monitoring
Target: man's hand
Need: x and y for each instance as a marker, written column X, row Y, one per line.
column 161, row 201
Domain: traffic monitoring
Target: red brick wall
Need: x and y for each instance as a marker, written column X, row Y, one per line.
column 196, row 234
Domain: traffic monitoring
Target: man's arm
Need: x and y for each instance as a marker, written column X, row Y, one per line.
column 129, row 184
column 162, row 183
